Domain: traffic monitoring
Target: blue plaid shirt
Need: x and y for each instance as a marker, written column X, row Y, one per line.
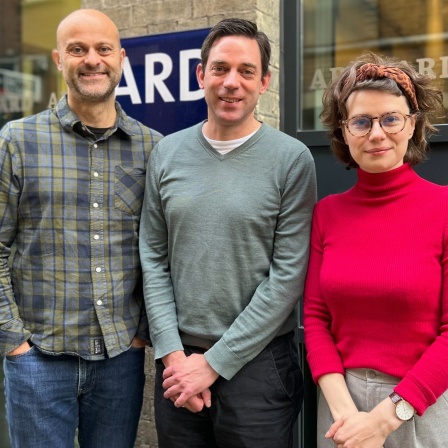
column 69, row 214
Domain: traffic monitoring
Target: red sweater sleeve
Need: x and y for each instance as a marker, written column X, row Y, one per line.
column 322, row 354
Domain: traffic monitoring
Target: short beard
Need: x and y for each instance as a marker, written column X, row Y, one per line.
column 89, row 95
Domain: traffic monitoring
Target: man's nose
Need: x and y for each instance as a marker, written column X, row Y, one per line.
column 92, row 57
column 231, row 79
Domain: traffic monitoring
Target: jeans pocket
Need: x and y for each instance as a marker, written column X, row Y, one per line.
column 129, row 189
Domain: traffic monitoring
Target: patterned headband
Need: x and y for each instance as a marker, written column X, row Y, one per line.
column 374, row 71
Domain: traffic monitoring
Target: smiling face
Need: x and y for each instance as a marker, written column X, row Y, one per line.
column 89, row 56
column 232, row 84
column 378, row 151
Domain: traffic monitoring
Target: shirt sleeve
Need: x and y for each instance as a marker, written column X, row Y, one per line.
column 276, row 297
column 12, row 331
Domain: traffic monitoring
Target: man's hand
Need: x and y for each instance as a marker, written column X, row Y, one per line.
column 189, row 378
column 138, row 342
column 197, row 402
column 23, row 348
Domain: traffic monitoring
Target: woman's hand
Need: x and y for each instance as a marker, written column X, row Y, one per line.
column 365, row 429
column 357, row 431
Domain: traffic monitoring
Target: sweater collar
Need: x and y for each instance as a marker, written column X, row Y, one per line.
column 382, row 184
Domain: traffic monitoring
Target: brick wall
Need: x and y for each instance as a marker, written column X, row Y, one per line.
column 144, row 17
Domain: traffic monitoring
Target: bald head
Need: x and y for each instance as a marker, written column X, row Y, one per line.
column 90, row 57
column 85, row 19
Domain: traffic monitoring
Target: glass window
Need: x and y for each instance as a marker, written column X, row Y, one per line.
column 29, row 79
column 337, row 31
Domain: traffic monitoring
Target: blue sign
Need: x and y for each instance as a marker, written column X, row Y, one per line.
column 159, row 86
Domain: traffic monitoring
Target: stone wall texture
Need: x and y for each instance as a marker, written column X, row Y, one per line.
column 147, row 17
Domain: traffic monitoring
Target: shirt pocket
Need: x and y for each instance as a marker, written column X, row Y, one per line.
column 129, row 189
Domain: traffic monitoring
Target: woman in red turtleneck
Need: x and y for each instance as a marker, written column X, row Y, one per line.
column 376, row 295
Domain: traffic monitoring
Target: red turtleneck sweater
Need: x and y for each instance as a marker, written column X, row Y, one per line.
column 376, row 293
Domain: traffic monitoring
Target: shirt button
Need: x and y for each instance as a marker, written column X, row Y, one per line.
column 98, row 269
column 95, row 205
column 99, row 302
column 96, row 237
column 95, row 174
column 371, row 375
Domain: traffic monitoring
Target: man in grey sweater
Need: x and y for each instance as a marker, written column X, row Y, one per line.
column 224, row 242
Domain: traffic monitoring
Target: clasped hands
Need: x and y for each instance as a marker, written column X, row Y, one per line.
column 187, row 380
column 356, row 431
column 364, row 429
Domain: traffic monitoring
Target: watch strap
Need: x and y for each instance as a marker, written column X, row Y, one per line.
column 395, row 397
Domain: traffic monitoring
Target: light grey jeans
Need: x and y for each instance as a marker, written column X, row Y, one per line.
column 369, row 387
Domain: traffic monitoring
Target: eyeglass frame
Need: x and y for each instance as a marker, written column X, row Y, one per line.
column 406, row 116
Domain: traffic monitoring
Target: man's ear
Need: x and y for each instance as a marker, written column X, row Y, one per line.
column 265, row 82
column 56, row 59
column 122, row 57
column 200, row 76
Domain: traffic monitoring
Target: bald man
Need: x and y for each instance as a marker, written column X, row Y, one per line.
column 72, row 319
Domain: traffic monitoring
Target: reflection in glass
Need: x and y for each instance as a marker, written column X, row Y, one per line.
column 338, row 31
column 29, row 80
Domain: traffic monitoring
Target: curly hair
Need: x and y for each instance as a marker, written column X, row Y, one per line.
column 429, row 99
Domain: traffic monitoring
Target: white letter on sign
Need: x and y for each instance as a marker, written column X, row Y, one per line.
column 184, row 61
column 131, row 86
column 153, row 81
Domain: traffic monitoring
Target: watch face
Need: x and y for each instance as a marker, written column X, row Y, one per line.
column 404, row 410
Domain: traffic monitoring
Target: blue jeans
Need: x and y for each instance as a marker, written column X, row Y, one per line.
column 48, row 397
column 256, row 408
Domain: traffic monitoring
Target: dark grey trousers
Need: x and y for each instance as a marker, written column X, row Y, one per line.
column 256, row 408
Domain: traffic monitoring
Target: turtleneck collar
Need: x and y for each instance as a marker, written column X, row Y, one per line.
column 389, row 182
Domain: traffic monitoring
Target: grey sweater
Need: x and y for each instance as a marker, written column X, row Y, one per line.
column 224, row 243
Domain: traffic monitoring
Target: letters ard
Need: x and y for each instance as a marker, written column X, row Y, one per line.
column 156, row 79
column 425, row 66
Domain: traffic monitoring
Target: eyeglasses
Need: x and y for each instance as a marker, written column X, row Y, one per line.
column 390, row 122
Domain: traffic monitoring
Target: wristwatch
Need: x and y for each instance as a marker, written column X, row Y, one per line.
column 404, row 410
